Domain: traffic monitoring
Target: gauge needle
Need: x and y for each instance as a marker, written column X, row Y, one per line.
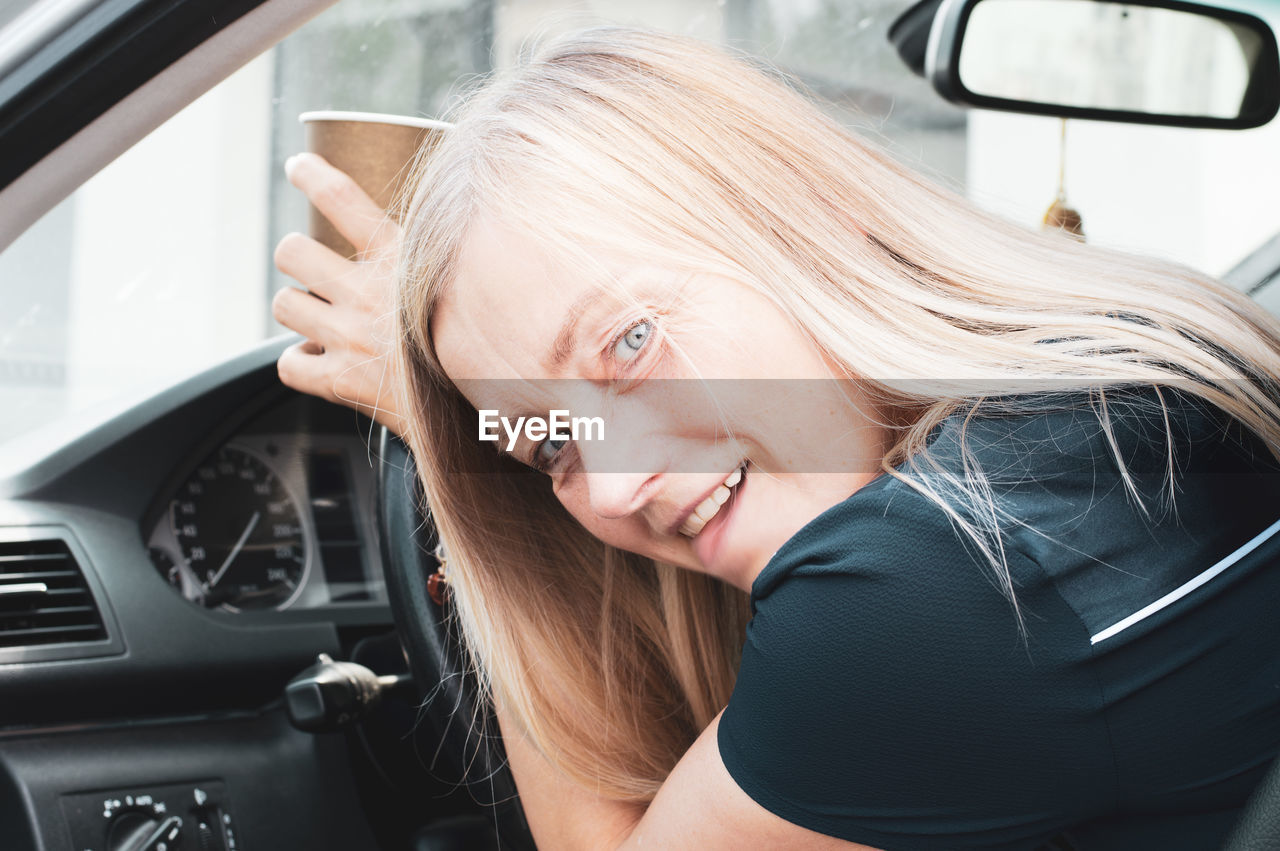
column 191, row 583
column 235, row 551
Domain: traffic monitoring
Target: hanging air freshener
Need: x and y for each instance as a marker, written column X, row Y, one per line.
column 1059, row 216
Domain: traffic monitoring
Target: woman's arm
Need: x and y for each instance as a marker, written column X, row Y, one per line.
column 562, row 814
column 698, row 807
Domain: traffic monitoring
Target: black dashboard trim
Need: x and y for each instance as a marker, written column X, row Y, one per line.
column 112, row 645
column 286, row 789
column 97, row 481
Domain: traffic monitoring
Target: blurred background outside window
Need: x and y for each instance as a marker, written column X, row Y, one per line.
column 161, row 264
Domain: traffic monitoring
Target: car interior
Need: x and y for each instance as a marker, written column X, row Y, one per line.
column 216, row 622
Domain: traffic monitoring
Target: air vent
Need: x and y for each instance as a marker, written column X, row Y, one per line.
column 43, row 596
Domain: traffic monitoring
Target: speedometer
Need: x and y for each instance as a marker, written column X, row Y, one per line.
column 240, row 533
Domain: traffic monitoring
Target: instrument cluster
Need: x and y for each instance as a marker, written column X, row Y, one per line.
column 272, row 518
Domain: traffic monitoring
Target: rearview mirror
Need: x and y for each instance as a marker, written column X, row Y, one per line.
column 1147, row 62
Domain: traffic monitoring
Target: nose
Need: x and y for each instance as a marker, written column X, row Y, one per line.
column 624, row 468
column 613, row 496
column 623, row 471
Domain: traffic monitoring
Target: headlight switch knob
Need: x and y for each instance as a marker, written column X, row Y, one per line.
column 140, row 831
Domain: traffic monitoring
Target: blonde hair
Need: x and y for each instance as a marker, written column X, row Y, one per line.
column 676, row 151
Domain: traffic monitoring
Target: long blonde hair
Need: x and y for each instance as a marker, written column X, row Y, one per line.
column 677, row 152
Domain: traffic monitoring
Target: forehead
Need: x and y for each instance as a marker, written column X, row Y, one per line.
column 505, row 305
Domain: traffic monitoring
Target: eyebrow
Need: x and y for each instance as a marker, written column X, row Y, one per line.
column 564, row 344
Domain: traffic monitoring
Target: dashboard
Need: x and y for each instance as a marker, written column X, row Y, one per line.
column 165, row 569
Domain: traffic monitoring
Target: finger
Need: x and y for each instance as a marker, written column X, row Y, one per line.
column 341, row 200
column 310, row 316
column 365, row 383
column 304, row 370
column 360, row 384
column 317, row 267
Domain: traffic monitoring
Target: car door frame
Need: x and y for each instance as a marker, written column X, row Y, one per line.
column 102, row 96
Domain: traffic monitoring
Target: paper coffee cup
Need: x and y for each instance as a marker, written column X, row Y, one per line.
column 376, row 150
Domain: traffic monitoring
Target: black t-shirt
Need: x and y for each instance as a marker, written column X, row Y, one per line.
column 888, row 696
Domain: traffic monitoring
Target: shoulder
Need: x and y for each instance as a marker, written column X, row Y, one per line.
column 887, row 694
column 860, row 536
column 1051, row 436
column 887, row 690
column 912, row 516
column 1038, row 456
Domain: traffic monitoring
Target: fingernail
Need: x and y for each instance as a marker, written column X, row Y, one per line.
column 290, row 164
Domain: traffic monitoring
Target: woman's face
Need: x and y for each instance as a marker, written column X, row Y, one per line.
column 724, row 429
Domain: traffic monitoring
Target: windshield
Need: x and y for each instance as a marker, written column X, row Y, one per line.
column 161, row 265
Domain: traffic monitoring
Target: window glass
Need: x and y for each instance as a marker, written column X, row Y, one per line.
column 161, row 264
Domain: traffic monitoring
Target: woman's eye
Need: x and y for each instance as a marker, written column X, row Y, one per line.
column 632, row 341
column 545, row 453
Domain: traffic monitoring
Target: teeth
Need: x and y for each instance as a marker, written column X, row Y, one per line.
column 710, row 506
column 692, row 526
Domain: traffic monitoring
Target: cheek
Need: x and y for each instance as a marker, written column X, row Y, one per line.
column 572, row 492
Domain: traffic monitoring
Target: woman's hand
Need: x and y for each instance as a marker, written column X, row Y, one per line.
column 345, row 310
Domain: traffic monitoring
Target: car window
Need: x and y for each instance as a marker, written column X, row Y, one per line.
column 161, row 264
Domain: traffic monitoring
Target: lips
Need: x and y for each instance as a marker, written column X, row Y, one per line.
column 710, row 507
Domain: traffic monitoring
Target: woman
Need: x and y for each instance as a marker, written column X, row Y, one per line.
column 997, row 505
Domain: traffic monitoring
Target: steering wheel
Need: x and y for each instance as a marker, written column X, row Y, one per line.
column 435, row 652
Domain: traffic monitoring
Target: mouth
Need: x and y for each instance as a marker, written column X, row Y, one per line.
column 704, row 511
